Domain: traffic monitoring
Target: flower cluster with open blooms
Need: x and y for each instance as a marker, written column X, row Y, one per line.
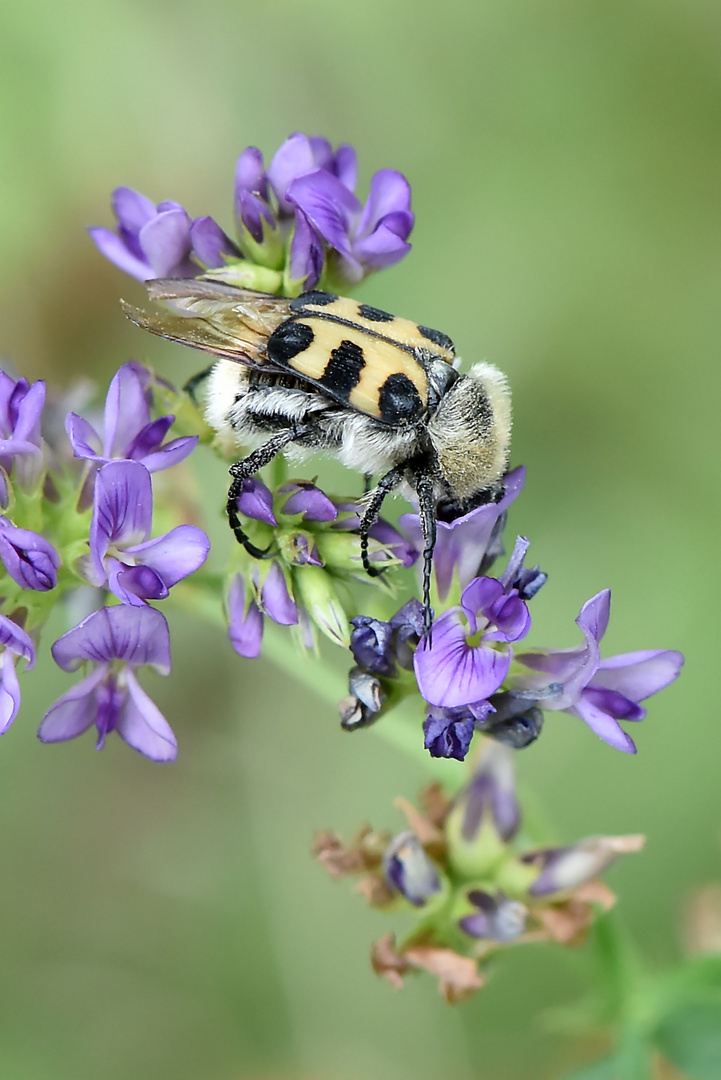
column 298, row 223
column 78, row 496
column 473, row 884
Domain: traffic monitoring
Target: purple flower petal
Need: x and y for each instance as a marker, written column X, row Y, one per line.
column 122, row 509
column 126, row 411
column 603, row 725
column 115, row 250
column 254, row 215
column 132, row 209
column 141, row 724
column 492, row 791
column 452, row 673
column 75, row 711
column 135, row 584
column 616, row 705
column 293, row 159
column 346, row 167
column 256, row 501
column 172, row 453
column 245, row 628
column 275, row 598
column 17, row 641
column 165, row 241
column 210, row 243
column 308, row 500
column 384, row 247
column 394, row 541
column 136, row 635
column 306, row 253
column 329, row 207
column 637, row 675
column 389, row 193
column 84, row 439
column 174, row 555
column 250, row 173
column 9, row 693
column 30, row 560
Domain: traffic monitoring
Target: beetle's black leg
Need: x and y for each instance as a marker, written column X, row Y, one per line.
column 427, row 509
column 243, row 470
column 371, row 512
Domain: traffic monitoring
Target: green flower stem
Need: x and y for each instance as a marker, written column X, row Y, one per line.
column 400, row 728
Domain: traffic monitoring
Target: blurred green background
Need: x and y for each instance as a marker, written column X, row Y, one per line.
column 167, row 922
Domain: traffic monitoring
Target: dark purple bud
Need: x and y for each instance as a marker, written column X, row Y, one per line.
column 409, row 870
column 370, row 643
column 446, row 736
column 301, row 551
column 408, row 626
column 517, row 721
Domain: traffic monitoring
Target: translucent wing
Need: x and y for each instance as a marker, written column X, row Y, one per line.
column 228, row 322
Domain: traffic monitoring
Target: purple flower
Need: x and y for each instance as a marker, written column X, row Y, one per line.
column 601, row 692
column 116, row 641
column 21, row 406
column 151, row 241
column 490, row 797
column 210, row 244
column 466, row 545
column 300, row 155
column 448, row 732
column 128, row 431
column 15, row 644
column 30, row 560
column 122, row 557
column 497, row 917
column 408, row 869
column 366, row 238
column 245, row 607
column 305, row 498
column 377, row 646
column 256, row 501
column 564, row 869
column 464, row 663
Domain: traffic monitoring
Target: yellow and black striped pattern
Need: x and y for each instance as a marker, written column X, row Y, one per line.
column 359, row 355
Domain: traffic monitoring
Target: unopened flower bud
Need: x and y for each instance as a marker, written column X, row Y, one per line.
column 315, row 591
column 496, row 918
column 517, row 721
column 564, row 869
column 485, row 816
column 409, row 870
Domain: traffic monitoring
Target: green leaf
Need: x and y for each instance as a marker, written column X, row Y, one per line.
column 690, row 1038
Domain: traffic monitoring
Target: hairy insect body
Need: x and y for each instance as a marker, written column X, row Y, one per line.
column 322, row 372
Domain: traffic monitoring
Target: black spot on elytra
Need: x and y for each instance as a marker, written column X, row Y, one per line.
column 374, row 314
column 287, row 340
column 399, row 400
column 344, row 369
column 316, row 297
column 437, row 338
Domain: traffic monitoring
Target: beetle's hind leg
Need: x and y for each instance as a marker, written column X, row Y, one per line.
column 370, row 515
column 242, row 471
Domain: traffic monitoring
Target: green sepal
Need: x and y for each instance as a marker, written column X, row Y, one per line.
column 247, row 275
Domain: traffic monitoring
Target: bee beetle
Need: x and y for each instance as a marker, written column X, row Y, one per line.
column 322, row 372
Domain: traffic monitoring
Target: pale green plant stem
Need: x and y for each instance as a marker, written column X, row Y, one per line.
column 400, row 728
